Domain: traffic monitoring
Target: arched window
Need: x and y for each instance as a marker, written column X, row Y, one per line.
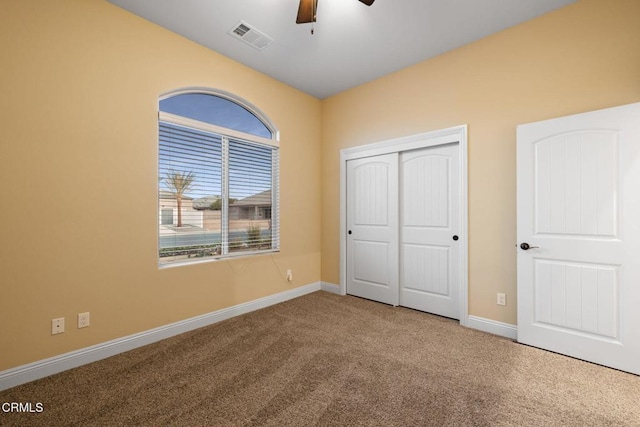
column 218, row 178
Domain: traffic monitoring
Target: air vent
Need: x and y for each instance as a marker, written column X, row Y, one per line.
column 250, row 35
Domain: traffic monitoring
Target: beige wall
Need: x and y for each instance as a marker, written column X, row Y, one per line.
column 583, row 57
column 80, row 81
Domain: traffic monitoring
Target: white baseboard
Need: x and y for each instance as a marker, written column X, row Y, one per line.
column 330, row 287
column 43, row 368
column 506, row 330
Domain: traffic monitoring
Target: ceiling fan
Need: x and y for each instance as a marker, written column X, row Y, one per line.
column 307, row 10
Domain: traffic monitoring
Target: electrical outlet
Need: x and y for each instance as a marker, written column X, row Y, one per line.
column 57, row 326
column 290, row 275
column 83, row 320
column 502, row 299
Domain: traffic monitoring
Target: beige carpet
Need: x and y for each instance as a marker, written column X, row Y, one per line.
column 328, row 360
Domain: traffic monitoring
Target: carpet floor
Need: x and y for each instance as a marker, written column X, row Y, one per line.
column 328, row 360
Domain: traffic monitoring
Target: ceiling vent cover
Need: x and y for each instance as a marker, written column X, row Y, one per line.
column 250, row 35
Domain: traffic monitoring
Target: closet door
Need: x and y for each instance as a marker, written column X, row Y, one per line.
column 372, row 228
column 430, row 224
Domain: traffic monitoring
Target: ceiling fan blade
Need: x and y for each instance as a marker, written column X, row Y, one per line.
column 307, row 11
column 368, row 2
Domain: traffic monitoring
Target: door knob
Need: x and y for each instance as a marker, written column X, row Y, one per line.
column 525, row 246
column 349, row 231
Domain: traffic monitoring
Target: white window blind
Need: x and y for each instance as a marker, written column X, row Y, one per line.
column 222, row 190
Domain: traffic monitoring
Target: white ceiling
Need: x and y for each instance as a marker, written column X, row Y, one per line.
column 352, row 44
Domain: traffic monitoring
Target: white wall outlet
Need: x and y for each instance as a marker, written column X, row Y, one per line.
column 290, row 275
column 57, row 326
column 502, row 299
column 83, row 320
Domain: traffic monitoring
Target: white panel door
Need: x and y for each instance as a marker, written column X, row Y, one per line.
column 579, row 236
column 372, row 224
column 430, row 221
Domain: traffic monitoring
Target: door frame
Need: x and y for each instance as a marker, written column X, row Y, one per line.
column 456, row 134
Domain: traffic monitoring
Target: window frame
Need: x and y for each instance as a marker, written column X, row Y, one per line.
column 227, row 135
column 275, row 133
